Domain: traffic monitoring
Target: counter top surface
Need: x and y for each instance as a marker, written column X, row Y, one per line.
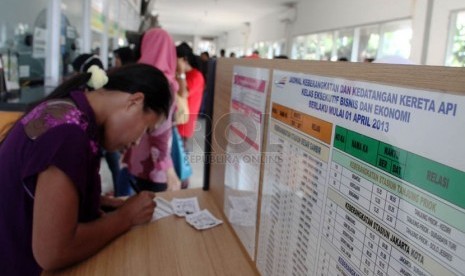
column 170, row 246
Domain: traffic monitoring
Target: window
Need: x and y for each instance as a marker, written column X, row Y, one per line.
column 395, row 39
column 313, row 47
column 456, row 47
column 278, row 48
column 356, row 44
column 368, row 42
column 206, row 45
column 298, row 48
column 344, row 43
column 269, row 49
column 237, row 51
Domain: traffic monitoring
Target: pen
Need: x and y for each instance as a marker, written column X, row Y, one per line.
column 134, row 186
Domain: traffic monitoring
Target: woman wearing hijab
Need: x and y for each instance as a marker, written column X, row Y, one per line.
column 150, row 161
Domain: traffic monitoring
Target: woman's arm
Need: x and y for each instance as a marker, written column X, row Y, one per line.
column 58, row 239
column 163, row 170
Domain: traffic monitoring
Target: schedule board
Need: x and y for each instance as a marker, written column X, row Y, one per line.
column 370, row 180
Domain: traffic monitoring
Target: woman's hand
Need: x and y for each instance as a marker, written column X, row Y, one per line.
column 111, row 201
column 138, row 209
column 59, row 239
column 181, row 66
column 173, row 181
column 109, row 204
column 181, row 78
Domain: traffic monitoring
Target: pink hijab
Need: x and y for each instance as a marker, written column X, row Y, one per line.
column 151, row 157
column 158, row 50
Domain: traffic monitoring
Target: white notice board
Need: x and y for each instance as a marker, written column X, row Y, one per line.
column 242, row 172
column 369, row 180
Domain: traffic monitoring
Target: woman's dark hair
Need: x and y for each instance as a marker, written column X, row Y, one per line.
column 126, row 55
column 129, row 78
column 146, row 79
column 85, row 61
column 136, row 39
column 183, row 50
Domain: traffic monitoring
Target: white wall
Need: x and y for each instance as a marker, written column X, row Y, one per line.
column 320, row 16
column 235, row 38
column 268, row 28
column 315, row 16
column 180, row 38
column 420, row 30
column 438, row 38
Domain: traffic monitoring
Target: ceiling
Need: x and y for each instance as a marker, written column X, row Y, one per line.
column 211, row 17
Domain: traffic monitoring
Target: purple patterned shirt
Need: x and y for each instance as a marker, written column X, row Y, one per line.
column 61, row 133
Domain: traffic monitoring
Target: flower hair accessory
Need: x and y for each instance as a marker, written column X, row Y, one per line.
column 98, row 79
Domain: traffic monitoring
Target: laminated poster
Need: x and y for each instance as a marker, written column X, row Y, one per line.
column 245, row 133
column 371, row 180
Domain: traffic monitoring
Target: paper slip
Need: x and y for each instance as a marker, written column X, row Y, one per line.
column 163, row 204
column 243, row 210
column 163, row 209
column 242, row 218
column 185, row 206
column 203, row 220
column 242, row 203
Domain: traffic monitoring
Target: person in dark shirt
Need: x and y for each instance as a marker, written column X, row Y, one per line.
column 50, row 204
column 124, row 56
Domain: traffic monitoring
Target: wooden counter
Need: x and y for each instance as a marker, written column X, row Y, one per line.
column 170, row 246
column 7, row 119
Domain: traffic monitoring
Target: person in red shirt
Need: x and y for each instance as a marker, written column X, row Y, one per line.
column 195, row 86
column 255, row 54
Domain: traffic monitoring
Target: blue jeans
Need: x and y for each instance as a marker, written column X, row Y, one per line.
column 122, row 186
column 119, row 185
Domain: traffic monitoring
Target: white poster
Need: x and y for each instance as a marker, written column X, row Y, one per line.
column 39, row 43
column 371, row 180
column 11, row 71
column 248, row 101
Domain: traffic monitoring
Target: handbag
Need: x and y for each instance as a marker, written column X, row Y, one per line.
column 180, row 159
column 181, row 116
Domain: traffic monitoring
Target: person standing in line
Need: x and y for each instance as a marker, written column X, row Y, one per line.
column 204, row 63
column 149, row 163
column 195, row 88
column 255, row 54
column 50, row 204
column 204, row 59
column 124, row 56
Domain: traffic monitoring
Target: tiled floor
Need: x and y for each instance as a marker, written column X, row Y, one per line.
column 196, row 158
